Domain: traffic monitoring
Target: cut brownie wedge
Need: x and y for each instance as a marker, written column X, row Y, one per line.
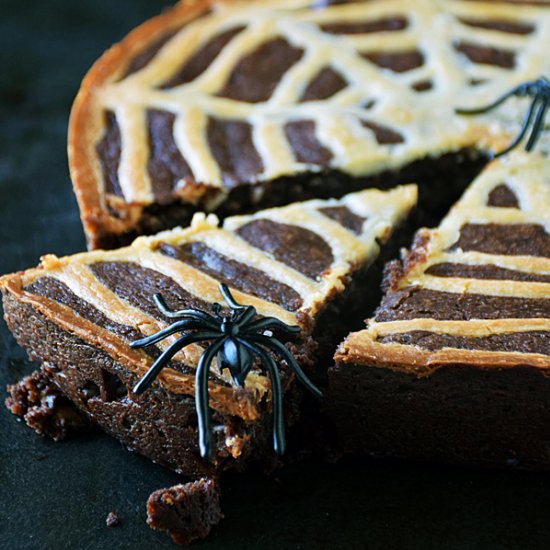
column 455, row 364
column 79, row 315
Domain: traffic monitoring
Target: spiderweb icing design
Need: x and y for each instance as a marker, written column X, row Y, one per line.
column 288, row 63
column 454, row 260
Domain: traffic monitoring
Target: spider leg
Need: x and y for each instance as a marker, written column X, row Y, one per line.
column 270, row 323
column 162, row 334
column 201, row 397
column 246, row 315
column 277, row 347
column 190, row 312
column 163, row 359
column 226, row 293
column 524, row 127
column 499, row 101
column 204, row 318
column 279, row 439
column 216, row 308
column 538, row 124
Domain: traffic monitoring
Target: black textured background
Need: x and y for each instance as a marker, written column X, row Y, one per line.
column 56, row 496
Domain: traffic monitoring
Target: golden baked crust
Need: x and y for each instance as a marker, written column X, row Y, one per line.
column 401, row 85
column 516, row 274
column 86, row 125
column 380, row 211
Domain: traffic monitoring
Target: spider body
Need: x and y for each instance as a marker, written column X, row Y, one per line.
column 533, row 123
column 235, row 341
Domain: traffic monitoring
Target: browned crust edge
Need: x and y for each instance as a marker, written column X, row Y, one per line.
column 95, row 218
column 360, row 349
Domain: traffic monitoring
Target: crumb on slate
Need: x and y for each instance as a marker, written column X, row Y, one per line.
column 112, row 520
column 187, row 512
column 44, row 408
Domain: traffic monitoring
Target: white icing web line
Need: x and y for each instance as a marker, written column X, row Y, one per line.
column 426, row 120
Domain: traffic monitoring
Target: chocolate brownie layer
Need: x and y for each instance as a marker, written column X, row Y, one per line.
column 166, row 166
column 137, row 285
column 461, row 413
column 200, row 61
column 499, row 57
column 158, row 424
column 61, row 293
column 243, row 277
column 233, row 149
column 499, row 25
column 145, row 55
column 502, row 196
column 417, row 303
column 296, row 247
column 344, row 216
column 306, row 148
column 522, row 342
column 399, row 62
column 487, row 271
column 386, row 24
column 256, row 75
column 326, row 84
column 518, row 239
column 108, row 150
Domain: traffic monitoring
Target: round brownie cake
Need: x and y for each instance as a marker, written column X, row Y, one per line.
column 233, row 106
column 241, row 108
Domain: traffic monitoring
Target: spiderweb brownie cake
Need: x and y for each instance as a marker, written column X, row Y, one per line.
column 233, row 106
column 78, row 315
column 455, row 363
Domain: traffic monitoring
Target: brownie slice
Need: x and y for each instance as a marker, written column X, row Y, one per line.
column 186, row 511
column 78, row 315
column 234, row 109
column 455, row 363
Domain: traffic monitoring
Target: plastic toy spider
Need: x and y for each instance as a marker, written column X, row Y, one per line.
column 235, row 341
column 539, row 91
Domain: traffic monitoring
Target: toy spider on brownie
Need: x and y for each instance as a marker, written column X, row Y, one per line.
column 539, row 92
column 235, row 342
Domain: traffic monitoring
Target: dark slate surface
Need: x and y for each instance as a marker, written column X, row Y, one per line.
column 58, row 495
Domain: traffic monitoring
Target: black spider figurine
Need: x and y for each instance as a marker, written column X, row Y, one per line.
column 235, row 341
column 539, row 92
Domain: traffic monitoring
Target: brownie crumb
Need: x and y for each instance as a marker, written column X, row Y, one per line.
column 45, row 409
column 393, row 271
column 112, row 520
column 187, row 512
column 418, row 252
